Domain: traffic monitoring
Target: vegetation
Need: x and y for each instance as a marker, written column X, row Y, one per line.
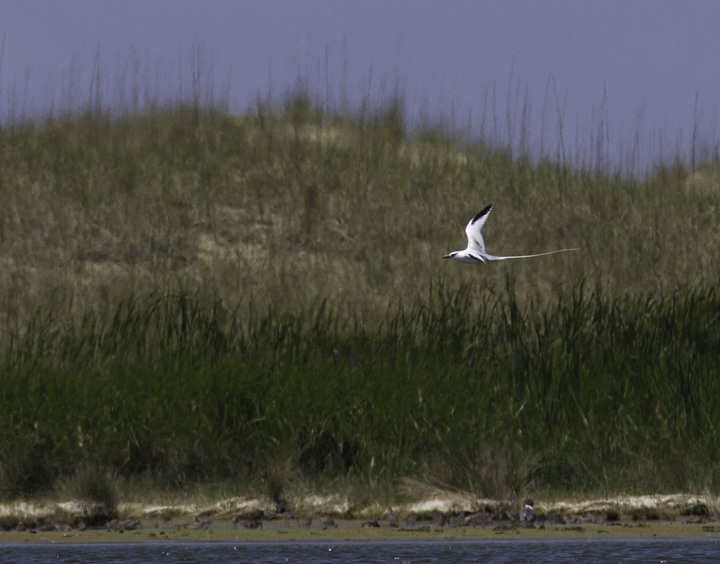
column 191, row 297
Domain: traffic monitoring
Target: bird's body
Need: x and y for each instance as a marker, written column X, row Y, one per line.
column 527, row 513
column 475, row 251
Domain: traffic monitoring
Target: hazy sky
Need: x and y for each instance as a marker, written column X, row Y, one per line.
column 657, row 62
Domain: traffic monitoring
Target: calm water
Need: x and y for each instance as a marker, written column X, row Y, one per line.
column 455, row 552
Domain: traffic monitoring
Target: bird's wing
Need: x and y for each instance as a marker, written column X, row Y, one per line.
column 474, row 228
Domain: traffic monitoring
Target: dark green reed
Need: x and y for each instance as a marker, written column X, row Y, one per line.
column 591, row 393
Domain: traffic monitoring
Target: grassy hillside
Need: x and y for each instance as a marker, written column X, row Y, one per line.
column 288, row 210
column 192, row 297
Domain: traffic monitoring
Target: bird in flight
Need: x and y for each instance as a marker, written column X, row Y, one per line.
column 476, row 252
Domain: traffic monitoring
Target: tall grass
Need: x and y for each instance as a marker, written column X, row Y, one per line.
column 297, row 206
column 588, row 394
column 193, row 296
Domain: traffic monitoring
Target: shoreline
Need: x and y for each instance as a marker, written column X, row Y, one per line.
column 352, row 531
column 439, row 516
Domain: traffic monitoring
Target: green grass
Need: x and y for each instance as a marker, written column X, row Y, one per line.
column 199, row 298
column 589, row 394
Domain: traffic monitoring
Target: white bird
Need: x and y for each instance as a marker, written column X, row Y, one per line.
column 527, row 513
column 475, row 251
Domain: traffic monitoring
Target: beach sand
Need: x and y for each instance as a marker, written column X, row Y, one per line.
column 183, row 530
column 441, row 517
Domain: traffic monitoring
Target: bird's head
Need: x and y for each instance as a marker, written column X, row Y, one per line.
column 451, row 255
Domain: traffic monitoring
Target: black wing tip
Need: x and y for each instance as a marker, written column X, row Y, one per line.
column 483, row 212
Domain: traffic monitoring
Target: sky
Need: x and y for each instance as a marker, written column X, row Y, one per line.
column 645, row 73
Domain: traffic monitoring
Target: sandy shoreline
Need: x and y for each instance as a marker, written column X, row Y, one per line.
column 354, row 531
column 439, row 516
column 659, row 531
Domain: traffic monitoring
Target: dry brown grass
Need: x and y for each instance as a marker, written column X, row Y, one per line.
column 292, row 209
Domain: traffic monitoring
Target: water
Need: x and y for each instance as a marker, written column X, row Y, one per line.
column 670, row 551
